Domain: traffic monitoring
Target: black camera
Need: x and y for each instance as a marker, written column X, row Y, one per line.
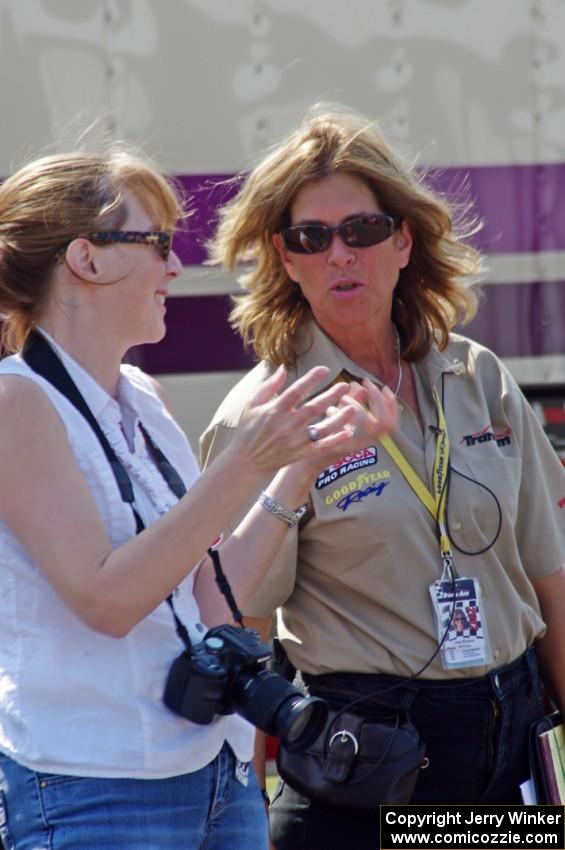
column 226, row 673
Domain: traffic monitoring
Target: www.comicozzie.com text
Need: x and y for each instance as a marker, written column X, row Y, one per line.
column 459, row 827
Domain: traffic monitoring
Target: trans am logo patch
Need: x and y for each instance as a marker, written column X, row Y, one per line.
column 487, row 435
column 349, row 463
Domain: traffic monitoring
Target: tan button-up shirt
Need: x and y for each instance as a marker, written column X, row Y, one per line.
column 351, row 585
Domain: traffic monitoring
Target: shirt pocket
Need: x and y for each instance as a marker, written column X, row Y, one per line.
column 483, row 499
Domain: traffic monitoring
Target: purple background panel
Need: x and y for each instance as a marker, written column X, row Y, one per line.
column 203, row 194
column 521, row 319
column 515, row 320
column 199, row 339
column 522, row 206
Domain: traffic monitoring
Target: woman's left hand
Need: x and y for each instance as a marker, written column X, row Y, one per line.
column 374, row 412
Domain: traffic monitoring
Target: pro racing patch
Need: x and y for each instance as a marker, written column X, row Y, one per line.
column 349, row 463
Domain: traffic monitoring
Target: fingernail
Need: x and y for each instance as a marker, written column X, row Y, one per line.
column 388, row 392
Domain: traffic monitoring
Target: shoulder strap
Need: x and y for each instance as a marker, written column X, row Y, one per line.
column 40, row 357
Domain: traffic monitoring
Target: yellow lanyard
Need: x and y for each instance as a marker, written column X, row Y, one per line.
column 434, row 501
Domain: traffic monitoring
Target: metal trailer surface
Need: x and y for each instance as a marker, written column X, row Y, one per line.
column 474, row 89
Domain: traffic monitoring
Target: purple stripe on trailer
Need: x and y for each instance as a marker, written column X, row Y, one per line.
column 199, row 339
column 521, row 319
column 204, row 194
column 515, row 320
column 522, row 206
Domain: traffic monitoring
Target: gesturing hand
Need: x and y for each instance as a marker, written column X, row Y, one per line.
column 376, row 411
column 274, row 431
column 373, row 412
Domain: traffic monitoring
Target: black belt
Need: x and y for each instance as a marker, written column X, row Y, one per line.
column 386, row 690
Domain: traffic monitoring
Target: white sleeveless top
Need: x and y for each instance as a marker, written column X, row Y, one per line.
column 73, row 701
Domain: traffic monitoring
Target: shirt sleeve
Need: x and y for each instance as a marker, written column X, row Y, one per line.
column 540, row 523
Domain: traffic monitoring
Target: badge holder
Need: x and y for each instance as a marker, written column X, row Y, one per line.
column 460, row 622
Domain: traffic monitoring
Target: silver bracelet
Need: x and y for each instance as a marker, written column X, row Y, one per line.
column 278, row 510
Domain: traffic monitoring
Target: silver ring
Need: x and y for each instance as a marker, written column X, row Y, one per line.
column 313, row 433
column 354, row 431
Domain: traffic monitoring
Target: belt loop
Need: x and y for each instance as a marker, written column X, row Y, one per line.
column 532, row 664
column 407, row 699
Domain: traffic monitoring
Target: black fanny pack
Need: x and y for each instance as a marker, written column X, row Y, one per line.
column 357, row 762
column 369, row 752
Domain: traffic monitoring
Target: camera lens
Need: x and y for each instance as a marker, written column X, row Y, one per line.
column 301, row 720
column 277, row 707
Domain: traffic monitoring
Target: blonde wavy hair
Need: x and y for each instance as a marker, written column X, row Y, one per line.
column 435, row 291
column 51, row 200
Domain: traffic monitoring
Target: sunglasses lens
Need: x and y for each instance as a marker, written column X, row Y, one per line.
column 165, row 245
column 356, row 233
column 306, row 239
column 362, row 232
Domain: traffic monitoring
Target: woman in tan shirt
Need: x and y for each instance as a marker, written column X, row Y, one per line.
column 352, row 261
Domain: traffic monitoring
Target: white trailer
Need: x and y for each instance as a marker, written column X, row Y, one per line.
column 474, row 88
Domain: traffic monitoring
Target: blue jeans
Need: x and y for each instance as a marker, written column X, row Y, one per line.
column 475, row 731
column 205, row 810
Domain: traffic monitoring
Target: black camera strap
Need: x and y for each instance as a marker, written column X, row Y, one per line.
column 42, row 358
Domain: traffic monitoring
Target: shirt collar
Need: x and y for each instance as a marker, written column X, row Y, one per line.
column 315, row 347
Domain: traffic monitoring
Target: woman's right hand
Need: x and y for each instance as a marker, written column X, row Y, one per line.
column 273, row 431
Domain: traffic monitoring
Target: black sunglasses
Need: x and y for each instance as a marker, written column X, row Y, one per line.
column 161, row 239
column 358, row 232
